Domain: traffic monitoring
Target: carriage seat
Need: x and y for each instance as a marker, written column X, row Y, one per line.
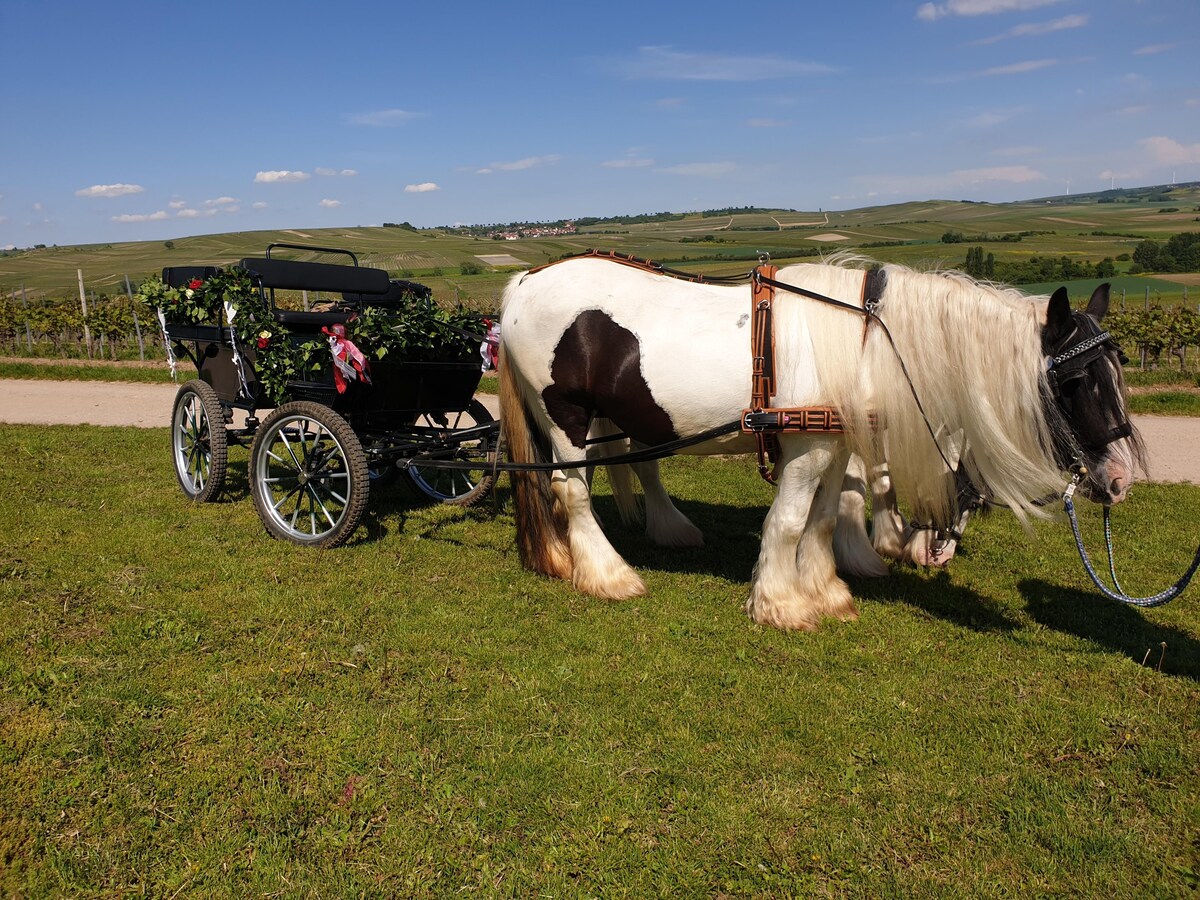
column 295, row 275
column 181, row 276
column 290, row 274
column 399, row 293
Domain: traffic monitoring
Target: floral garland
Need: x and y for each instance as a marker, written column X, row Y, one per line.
column 413, row 330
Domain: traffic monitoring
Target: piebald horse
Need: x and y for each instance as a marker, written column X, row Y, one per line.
column 662, row 359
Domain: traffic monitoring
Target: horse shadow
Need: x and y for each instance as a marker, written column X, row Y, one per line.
column 1114, row 625
column 737, row 531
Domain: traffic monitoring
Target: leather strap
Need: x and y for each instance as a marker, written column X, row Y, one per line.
column 762, row 352
column 762, row 420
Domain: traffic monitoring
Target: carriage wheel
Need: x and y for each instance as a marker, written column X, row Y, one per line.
column 308, row 475
column 199, row 445
column 459, row 487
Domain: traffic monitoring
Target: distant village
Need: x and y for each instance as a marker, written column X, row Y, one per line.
column 515, row 233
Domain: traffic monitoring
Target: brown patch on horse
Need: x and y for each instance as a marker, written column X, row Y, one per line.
column 597, row 373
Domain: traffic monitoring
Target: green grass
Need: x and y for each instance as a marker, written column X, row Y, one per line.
column 1164, row 376
column 1166, row 403
column 190, row 708
column 50, row 371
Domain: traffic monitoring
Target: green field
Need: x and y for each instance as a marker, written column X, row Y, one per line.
column 1081, row 228
column 190, row 709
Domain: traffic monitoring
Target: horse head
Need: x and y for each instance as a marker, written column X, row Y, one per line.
column 1088, row 391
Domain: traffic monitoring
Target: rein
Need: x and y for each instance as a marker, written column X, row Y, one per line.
column 1118, row 594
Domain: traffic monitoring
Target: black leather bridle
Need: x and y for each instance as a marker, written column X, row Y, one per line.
column 1068, row 363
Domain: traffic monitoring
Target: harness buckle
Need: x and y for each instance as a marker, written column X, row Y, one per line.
column 758, row 421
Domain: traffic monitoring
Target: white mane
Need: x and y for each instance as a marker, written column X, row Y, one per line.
column 973, row 353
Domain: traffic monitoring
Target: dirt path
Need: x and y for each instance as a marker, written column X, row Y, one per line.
column 1173, row 442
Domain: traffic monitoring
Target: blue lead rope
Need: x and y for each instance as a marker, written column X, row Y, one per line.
column 1119, row 594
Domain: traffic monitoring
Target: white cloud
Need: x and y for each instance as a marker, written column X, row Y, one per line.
column 151, row 217
column 672, row 65
column 994, row 117
column 931, row 12
column 1152, row 49
column 273, row 177
column 188, row 213
column 258, row 205
column 334, row 173
column 383, row 118
column 1165, row 151
column 331, row 204
column 519, row 165
column 768, row 123
column 1035, row 29
column 424, row 187
column 221, row 201
column 701, row 170
column 1020, row 68
column 631, row 162
column 109, row 190
column 177, row 204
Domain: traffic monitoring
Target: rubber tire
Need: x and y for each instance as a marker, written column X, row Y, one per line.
column 447, row 485
column 342, row 457
column 199, row 445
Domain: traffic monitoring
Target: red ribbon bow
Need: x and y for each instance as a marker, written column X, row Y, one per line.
column 349, row 364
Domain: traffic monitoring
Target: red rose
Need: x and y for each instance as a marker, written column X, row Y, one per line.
column 262, row 343
column 195, row 284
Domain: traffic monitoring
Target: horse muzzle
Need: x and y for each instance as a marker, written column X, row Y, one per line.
column 1109, row 481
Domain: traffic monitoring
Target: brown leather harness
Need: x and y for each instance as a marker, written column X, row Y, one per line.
column 767, row 422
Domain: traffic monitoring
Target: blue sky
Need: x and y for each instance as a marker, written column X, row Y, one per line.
column 127, row 120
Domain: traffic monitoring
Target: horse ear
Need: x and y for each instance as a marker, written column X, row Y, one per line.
column 1098, row 305
column 1058, row 315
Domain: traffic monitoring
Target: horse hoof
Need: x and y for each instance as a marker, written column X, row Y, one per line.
column 783, row 616
column 620, row 587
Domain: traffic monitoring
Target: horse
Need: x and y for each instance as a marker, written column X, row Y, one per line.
column 661, row 358
column 918, row 541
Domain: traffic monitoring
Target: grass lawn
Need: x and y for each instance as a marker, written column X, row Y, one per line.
column 189, row 708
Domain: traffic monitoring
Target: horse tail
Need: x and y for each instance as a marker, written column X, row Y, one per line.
column 541, row 520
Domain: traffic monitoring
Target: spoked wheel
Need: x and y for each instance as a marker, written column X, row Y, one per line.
column 308, row 475
column 460, row 487
column 199, row 446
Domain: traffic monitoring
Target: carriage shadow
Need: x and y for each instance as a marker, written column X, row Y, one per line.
column 1109, row 624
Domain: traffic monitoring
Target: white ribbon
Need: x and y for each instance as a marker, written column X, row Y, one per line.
column 162, row 322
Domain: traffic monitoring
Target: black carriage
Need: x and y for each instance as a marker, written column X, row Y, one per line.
column 316, row 454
